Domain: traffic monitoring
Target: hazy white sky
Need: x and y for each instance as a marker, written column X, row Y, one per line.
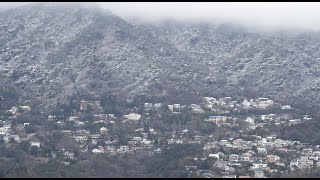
column 265, row 14
column 271, row 14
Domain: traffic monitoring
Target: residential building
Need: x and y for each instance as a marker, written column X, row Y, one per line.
column 258, row 173
column 217, row 119
column 133, row 116
column 262, row 151
column 233, row 157
column 272, row 158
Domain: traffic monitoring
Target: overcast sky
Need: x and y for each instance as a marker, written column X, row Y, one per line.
column 268, row 14
column 264, row 14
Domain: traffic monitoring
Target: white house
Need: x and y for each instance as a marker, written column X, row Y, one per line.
column 35, row 143
column 133, row 116
column 246, row 104
column 285, row 107
column 214, row 156
column 14, row 110
column 25, row 108
column 178, row 141
column 223, row 142
column 83, row 105
column 146, row 142
column 194, row 106
column 157, row 105
column 2, row 130
column 262, row 151
column 148, row 106
column 250, row 120
column 262, row 103
column 217, row 119
column 170, row 107
column 69, row 155
column 137, row 138
column 306, row 118
column 97, row 151
column 210, row 100
column 124, row 148
column 233, row 157
column 50, row 118
column 103, row 130
column 152, row 131
column 185, row 131
column 73, row 118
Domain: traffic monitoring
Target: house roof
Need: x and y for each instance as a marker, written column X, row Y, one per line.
column 235, row 155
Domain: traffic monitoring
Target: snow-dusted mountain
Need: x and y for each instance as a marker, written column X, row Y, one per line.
column 50, row 52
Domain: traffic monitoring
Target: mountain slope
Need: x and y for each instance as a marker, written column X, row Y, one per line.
column 54, row 51
column 278, row 64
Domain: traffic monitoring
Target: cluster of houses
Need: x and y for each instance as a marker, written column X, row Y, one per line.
column 257, row 158
column 254, row 156
column 255, row 121
column 262, row 155
column 228, row 103
column 261, row 103
column 11, row 132
column 91, row 141
column 265, row 155
column 16, row 110
column 136, row 144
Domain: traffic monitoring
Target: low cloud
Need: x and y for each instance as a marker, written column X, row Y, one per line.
column 266, row 15
column 263, row 14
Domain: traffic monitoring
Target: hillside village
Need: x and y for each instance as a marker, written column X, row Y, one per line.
column 238, row 138
column 85, row 92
